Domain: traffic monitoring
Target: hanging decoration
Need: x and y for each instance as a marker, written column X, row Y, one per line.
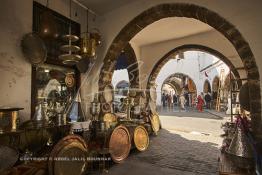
column 70, row 57
column 90, row 41
column 48, row 29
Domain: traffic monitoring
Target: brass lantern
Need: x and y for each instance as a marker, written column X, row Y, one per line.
column 89, row 43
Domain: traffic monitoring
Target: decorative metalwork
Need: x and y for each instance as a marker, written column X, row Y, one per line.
column 119, row 144
column 110, row 120
column 71, row 57
column 70, row 147
column 34, row 48
column 141, row 138
column 155, row 122
column 90, row 41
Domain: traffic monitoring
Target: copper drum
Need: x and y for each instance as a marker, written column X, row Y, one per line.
column 141, row 139
column 119, row 144
column 69, row 156
column 139, row 136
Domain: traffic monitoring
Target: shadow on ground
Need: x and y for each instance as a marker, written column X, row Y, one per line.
column 170, row 154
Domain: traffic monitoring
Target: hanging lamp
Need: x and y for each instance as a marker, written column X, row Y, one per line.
column 70, row 57
column 48, row 28
column 90, row 41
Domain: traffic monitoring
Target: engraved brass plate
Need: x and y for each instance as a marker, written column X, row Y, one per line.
column 119, row 144
column 72, row 152
column 141, row 138
column 155, row 122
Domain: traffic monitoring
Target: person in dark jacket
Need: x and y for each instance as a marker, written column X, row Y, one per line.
column 163, row 99
column 208, row 101
column 174, row 100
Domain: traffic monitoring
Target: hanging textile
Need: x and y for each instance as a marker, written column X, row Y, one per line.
column 121, row 62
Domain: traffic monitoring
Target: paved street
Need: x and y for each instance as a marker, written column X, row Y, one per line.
column 188, row 144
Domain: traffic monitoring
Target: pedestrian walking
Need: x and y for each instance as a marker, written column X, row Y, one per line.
column 200, row 103
column 163, row 97
column 182, row 101
column 208, row 101
column 174, row 100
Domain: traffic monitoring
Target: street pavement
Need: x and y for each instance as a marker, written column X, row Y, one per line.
column 188, row 144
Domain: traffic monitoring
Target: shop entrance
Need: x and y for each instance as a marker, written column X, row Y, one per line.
column 245, row 62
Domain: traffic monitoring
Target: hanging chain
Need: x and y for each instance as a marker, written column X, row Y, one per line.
column 87, row 22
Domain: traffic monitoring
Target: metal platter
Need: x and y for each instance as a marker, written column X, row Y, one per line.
column 70, row 48
column 141, row 138
column 119, row 144
column 109, row 117
column 8, row 157
column 68, row 37
column 34, row 48
column 155, row 123
column 74, row 149
column 108, row 93
column 69, row 80
column 110, row 120
column 70, row 59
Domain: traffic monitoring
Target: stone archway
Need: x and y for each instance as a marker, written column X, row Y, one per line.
column 202, row 14
column 162, row 61
column 175, row 86
column 180, row 81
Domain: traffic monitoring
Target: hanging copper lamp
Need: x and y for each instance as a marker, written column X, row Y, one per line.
column 48, row 29
column 90, row 41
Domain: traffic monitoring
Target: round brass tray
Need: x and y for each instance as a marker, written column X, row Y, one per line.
column 155, row 123
column 109, row 117
column 73, row 150
column 34, row 48
column 141, row 138
column 73, row 38
column 68, row 48
column 70, row 59
column 119, row 144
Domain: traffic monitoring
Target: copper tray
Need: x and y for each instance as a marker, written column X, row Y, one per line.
column 119, row 144
column 68, row 149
